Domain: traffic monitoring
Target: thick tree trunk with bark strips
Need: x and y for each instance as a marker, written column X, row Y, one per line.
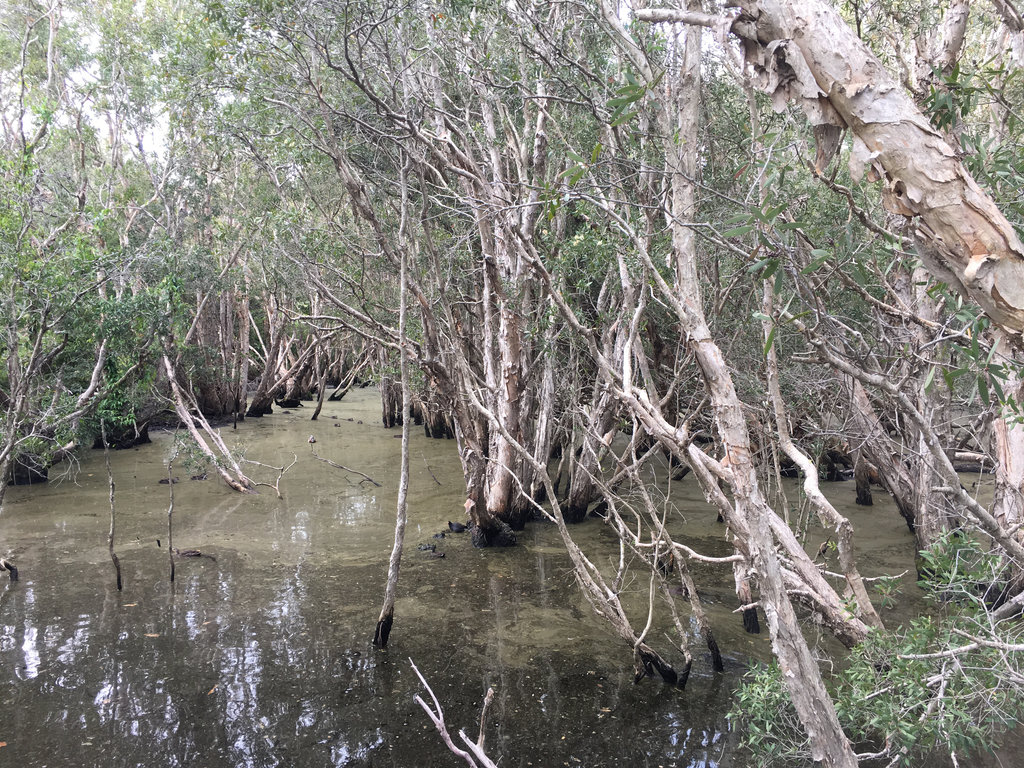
column 807, row 54
column 862, row 480
column 391, row 408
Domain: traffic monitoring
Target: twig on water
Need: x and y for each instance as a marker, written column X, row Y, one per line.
column 341, row 467
column 429, row 469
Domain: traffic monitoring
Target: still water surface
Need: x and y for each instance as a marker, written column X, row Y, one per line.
column 262, row 656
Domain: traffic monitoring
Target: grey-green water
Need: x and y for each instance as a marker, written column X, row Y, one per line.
column 262, row 657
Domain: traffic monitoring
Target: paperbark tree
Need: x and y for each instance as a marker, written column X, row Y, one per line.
column 961, row 235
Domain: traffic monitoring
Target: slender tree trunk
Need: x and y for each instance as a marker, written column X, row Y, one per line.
column 828, row 514
column 170, row 517
column 387, row 612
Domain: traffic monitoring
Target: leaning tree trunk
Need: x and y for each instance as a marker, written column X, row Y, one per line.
column 748, row 510
column 204, row 435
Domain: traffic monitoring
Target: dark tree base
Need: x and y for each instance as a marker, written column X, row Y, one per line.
column 650, row 662
column 383, row 631
column 27, row 474
column 122, row 438
column 716, row 654
column 500, row 536
column 750, row 622
column 574, row 513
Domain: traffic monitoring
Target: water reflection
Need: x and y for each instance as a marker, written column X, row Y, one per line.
column 261, row 656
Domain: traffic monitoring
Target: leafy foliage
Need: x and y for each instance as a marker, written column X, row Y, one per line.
column 949, row 681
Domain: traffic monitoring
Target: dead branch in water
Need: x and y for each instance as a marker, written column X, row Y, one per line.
column 341, row 467
column 429, row 469
column 8, row 566
column 170, row 513
column 478, row 758
column 276, row 485
column 110, row 480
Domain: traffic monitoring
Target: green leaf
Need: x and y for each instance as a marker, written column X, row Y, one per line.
column 738, row 231
column 928, row 378
column 625, row 118
column 821, row 258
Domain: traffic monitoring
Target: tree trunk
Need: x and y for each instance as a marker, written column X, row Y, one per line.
column 749, row 515
column 596, row 434
column 387, row 613
column 862, row 479
column 963, row 238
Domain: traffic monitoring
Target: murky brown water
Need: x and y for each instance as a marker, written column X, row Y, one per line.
column 262, row 657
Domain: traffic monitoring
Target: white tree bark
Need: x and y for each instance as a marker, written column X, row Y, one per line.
column 805, row 52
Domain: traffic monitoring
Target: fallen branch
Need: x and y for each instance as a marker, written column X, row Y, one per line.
column 341, row 467
column 436, row 716
column 276, row 485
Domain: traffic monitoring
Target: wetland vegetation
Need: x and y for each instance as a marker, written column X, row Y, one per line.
column 590, row 353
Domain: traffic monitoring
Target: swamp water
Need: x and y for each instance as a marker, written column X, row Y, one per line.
column 262, row 656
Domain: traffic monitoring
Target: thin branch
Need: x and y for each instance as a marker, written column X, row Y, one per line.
column 341, row 466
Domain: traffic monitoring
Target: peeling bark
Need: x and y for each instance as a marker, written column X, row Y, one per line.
column 804, row 52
